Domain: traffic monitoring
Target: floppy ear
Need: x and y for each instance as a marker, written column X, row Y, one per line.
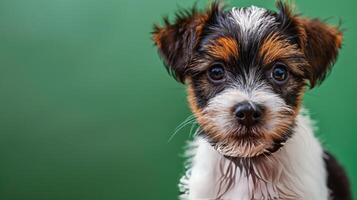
column 319, row 42
column 177, row 41
column 321, row 45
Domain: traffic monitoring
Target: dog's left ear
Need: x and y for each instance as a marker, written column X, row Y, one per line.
column 319, row 41
column 177, row 41
column 321, row 45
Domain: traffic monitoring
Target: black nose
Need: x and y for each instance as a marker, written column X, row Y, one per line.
column 248, row 114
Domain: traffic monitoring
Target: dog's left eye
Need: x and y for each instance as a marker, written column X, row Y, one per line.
column 279, row 73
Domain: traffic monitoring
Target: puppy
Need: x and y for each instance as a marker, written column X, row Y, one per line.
column 246, row 71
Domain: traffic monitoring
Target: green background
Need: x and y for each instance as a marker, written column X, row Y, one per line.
column 87, row 108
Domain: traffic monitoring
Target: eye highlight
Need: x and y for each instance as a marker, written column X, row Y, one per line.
column 280, row 73
column 216, row 73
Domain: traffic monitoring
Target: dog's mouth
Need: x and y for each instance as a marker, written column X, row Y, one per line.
column 242, row 147
column 249, row 144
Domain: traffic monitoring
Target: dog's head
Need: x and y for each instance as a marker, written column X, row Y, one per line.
column 246, row 70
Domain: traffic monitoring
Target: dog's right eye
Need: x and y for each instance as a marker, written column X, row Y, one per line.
column 216, row 73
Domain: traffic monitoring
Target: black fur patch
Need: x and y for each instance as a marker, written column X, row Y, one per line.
column 337, row 180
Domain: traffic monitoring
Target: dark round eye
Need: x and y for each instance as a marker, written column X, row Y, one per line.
column 280, row 73
column 216, row 72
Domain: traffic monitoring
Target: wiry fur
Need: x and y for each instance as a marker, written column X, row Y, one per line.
column 252, row 21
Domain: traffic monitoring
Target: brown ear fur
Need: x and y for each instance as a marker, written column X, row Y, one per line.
column 319, row 42
column 177, row 41
column 321, row 47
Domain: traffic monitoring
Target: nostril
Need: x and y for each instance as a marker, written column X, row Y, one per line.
column 240, row 115
column 257, row 115
column 243, row 111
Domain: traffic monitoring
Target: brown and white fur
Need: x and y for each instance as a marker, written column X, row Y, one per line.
column 246, row 70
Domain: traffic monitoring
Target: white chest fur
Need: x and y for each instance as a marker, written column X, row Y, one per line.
column 298, row 169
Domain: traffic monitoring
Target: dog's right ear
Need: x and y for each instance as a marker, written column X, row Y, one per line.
column 177, row 41
column 319, row 41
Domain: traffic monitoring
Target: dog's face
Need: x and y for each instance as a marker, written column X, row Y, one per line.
column 246, row 70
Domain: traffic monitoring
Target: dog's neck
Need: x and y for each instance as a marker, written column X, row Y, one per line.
column 296, row 171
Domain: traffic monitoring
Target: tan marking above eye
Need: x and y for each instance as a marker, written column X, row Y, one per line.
column 223, row 48
column 275, row 48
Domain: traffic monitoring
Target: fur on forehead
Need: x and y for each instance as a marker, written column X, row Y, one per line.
column 313, row 43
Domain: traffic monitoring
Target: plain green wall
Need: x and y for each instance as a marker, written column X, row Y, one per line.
column 86, row 106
